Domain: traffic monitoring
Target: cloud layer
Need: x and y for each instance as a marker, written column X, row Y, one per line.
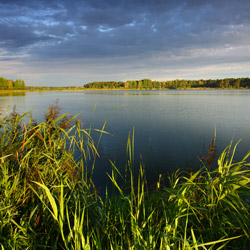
column 80, row 41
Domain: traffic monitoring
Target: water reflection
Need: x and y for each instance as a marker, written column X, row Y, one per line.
column 175, row 125
column 9, row 100
column 169, row 92
column 12, row 94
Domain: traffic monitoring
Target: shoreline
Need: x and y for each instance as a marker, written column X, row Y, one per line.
column 107, row 89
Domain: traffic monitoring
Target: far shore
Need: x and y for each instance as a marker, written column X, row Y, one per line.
column 105, row 89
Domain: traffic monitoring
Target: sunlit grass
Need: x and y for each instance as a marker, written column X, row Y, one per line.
column 48, row 198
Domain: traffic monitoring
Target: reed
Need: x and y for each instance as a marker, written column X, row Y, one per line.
column 48, row 198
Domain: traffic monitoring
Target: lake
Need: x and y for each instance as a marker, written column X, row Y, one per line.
column 174, row 125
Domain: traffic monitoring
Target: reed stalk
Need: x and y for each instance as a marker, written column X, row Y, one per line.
column 48, row 198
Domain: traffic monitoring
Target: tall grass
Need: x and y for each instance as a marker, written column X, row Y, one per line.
column 48, row 199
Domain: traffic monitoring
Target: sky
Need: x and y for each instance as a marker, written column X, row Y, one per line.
column 71, row 43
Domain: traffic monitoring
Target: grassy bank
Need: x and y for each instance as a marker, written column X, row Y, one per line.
column 48, row 199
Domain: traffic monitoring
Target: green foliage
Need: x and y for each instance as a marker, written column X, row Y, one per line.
column 39, row 154
column 11, row 85
column 48, row 199
column 228, row 83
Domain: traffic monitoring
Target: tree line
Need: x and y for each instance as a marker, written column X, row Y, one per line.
column 227, row 83
column 6, row 84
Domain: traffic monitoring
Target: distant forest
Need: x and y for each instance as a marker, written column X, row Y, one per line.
column 6, row 84
column 228, row 83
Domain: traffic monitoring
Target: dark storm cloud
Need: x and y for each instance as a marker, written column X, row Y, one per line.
column 45, row 29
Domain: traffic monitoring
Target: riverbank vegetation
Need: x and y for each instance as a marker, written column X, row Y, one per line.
column 71, row 88
column 19, row 85
column 6, row 84
column 49, row 200
column 144, row 84
column 228, row 83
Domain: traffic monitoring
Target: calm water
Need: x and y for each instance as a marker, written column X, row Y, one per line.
column 175, row 125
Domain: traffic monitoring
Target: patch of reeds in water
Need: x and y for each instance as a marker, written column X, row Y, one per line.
column 48, row 198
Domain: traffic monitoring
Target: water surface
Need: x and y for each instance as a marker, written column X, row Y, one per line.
column 175, row 125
